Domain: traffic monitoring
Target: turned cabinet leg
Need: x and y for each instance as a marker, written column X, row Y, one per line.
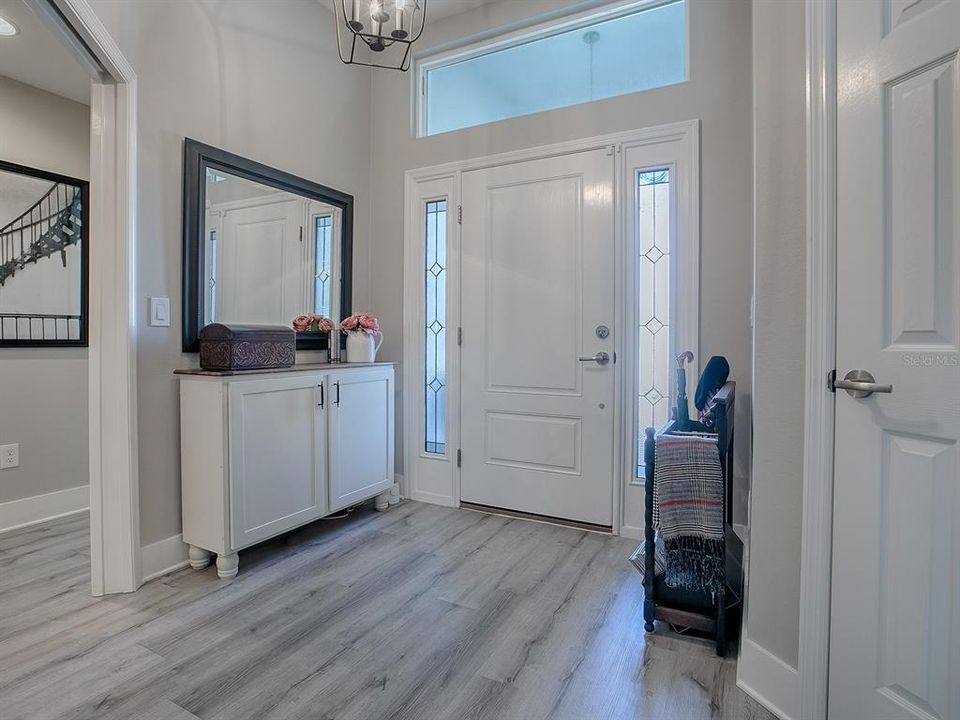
column 227, row 565
column 383, row 501
column 199, row 558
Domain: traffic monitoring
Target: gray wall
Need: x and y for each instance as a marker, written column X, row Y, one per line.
column 261, row 79
column 43, row 391
column 773, row 603
column 718, row 93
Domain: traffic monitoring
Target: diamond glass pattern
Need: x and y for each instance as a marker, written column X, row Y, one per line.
column 323, row 247
column 435, row 333
column 653, row 303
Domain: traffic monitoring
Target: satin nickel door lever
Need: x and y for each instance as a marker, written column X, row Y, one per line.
column 861, row 384
column 601, row 358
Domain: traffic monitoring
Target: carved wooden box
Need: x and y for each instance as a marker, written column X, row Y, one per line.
column 247, row 347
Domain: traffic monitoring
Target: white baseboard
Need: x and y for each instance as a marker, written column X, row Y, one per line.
column 432, row 498
column 39, row 508
column 768, row 680
column 632, row 532
column 163, row 557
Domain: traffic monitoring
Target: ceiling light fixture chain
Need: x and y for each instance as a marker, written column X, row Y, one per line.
column 388, row 28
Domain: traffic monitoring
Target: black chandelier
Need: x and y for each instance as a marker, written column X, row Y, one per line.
column 389, row 28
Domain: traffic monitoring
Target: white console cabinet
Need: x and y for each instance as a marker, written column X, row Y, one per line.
column 263, row 452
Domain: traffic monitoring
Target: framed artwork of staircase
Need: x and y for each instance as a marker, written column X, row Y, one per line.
column 43, row 257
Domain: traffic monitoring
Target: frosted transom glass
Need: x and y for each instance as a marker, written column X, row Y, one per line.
column 645, row 49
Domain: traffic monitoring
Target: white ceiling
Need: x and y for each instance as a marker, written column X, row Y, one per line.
column 36, row 57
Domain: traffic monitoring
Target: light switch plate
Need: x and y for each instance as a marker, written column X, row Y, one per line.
column 9, row 456
column 160, row 312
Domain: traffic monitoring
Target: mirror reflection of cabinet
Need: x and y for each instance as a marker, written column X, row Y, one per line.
column 261, row 246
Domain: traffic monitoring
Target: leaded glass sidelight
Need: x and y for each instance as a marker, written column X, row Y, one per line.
column 212, row 277
column 323, row 261
column 653, row 303
column 435, row 332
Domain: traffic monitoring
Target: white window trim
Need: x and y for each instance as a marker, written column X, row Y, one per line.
column 433, row 477
column 436, row 479
column 521, row 34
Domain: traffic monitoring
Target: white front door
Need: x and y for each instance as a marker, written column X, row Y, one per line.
column 537, row 282
column 895, row 619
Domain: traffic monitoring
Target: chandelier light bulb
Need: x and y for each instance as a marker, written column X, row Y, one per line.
column 400, row 31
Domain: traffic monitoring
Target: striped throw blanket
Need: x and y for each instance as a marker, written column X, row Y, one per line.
column 688, row 510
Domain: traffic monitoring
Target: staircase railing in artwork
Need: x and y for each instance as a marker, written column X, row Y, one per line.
column 17, row 326
column 48, row 227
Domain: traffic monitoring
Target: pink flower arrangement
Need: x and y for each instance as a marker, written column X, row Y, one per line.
column 316, row 323
column 360, row 322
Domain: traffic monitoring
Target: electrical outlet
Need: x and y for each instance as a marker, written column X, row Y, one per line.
column 9, row 456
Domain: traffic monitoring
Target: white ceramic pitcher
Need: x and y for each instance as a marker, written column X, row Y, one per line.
column 361, row 347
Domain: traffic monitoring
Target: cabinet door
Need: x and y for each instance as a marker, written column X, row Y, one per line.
column 361, row 434
column 277, row 456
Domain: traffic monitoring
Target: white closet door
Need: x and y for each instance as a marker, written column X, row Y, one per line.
column 895, row 621
column 277, row 456
column 537, row 283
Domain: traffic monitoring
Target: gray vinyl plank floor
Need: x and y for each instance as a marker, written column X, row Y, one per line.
column 419, row 613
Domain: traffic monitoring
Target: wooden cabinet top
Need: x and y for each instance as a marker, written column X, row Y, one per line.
column 304, row 367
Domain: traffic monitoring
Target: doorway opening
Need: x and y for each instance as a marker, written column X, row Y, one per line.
column 499, row 407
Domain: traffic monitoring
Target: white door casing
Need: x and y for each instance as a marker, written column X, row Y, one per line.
column 895, row 617
column 435, row 478
column 537, row 278
column 114, row 492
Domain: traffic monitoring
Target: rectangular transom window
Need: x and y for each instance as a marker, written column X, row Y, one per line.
column 615, row 53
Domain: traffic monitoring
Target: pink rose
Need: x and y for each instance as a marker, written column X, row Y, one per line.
column 302, row 323
column 324, row 324
column 349, row 323
column 369, row 323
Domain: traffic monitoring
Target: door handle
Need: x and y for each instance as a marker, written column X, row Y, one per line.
column 337, row 400
column 601, row 358
column 860, row 384
column 321, row 394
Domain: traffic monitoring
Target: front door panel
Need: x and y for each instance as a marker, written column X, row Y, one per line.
column 537, row 422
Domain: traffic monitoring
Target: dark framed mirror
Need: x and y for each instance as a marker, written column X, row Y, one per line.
column 261, row 245
column 43, row 258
